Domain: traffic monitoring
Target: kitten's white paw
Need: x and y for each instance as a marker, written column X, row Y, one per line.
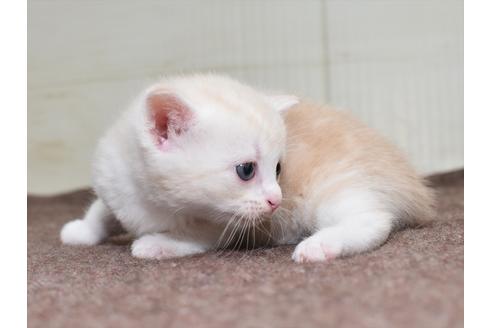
column 161, row 246
column 313, row 249
column 152, row 247
column 79, row 232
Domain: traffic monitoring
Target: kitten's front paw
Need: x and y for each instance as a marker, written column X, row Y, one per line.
column 313, row 249
column 79, row 232
column 152, row 247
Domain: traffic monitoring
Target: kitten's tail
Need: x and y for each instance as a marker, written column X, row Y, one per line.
column 416, row 202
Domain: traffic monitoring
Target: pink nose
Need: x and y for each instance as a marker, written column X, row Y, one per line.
column 273, row 203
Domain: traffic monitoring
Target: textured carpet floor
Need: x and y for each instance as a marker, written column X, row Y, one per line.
column 414, row 280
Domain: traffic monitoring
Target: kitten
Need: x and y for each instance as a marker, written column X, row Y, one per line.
column 191, row 155
column 194, row 164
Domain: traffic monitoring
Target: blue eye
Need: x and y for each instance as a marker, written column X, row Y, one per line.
column 246, row 171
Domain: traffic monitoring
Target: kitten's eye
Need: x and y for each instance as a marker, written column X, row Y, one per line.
column 246, row 171
column 278, row 169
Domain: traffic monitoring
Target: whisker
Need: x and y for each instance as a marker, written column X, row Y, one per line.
column 230, row 238
column 222, row 235
column 233, row 233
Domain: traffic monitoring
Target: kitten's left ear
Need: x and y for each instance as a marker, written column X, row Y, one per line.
column 169, row 115
column 283, row 102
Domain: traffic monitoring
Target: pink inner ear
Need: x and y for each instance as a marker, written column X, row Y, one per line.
column 169, row 115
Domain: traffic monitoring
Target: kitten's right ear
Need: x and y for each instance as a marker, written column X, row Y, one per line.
column 283, row 102
column 169, row 115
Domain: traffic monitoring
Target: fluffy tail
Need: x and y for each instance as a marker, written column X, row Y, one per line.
column 416, row 202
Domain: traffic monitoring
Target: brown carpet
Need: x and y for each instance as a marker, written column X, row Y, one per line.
column 414, row 280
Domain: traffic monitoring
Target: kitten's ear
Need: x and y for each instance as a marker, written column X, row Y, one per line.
column 169, row 115
column 283, row 102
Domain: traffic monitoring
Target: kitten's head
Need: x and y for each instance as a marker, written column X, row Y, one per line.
column 214, row 145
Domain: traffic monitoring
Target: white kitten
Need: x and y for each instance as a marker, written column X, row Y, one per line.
column 194, row 164
column 191, row 155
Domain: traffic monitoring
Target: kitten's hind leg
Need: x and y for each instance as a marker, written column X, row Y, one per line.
column 351, row 224
column 90, row 230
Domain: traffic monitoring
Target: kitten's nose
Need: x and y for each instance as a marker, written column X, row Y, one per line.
column 274, row 202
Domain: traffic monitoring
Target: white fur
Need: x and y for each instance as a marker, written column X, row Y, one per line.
column 160, row 246
column 189, row 186
column 89, row 231
column 351, row 222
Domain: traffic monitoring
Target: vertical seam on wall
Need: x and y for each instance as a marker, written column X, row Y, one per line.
column 325, row 62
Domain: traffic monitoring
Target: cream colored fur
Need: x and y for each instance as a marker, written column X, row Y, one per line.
column 344, row 185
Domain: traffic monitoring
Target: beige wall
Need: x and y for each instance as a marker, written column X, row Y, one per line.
column 398, row 65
